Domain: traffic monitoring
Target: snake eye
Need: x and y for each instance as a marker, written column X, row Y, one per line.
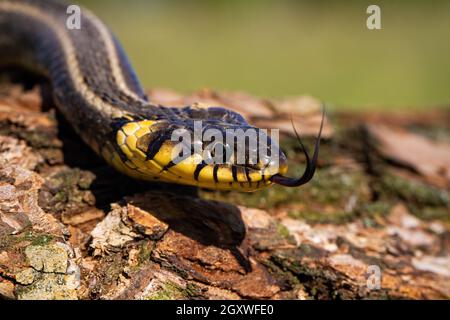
column 144, row 141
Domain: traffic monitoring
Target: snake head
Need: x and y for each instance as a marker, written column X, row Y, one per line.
column 209, row 153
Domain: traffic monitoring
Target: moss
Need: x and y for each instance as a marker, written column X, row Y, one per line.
column 321, row 217
column 281, row 274
column 7, row 242
column 369, row 211
column 292, row 260
column 283, row 231
column 145, row 251
column 425, row 201
column 319, row 281
column 336, row 186
column 430, row 213
column 413, row 191
column 171, row 291
column 192, row 291
column 168, row 292
column 42, row 240
column 376, row 208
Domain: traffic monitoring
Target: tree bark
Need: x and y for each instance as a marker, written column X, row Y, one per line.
column 373, row 223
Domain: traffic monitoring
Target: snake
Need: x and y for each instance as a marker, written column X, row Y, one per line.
column 96, row 89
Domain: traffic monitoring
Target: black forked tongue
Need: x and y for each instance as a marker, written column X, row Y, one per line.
column 310, row 162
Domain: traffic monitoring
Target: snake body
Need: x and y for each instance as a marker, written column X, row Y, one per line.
column 96, row 89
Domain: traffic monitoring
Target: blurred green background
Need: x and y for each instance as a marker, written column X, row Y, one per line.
column 283, row 47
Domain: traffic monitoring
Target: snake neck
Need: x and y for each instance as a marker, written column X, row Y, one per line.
column 93, row 82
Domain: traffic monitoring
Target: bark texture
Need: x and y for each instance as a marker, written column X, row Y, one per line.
column 374, row 222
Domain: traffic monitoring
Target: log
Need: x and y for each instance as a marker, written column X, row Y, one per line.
column 366, row 227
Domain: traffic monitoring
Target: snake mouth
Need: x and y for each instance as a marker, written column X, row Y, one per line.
column 311, row 162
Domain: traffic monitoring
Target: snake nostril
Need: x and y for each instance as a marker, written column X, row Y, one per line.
column 143, row 142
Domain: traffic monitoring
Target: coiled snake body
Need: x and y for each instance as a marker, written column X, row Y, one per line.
column 97, row 91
